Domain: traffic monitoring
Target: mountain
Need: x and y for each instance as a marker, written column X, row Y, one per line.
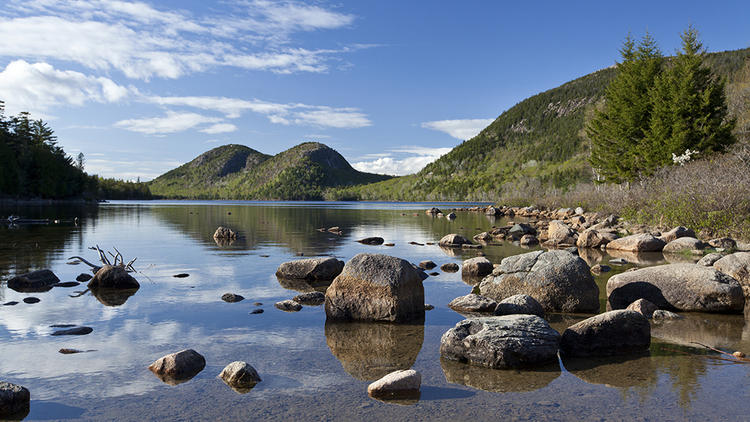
column 304, row 172
column 537, row 145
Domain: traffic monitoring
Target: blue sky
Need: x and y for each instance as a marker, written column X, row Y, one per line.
column 141, row 87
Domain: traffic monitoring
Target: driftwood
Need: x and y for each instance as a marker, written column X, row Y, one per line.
column 117, row 259
column 733, row 357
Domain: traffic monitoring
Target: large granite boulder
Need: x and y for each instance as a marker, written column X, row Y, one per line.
column 519, row 304
column 113, row 277
column 476, row 267
column 683, row 244
column 682, row 287
column 610, row 333
column 737, row 265
column 509, row 341
column 454, row 241
column 35, row 281
column 557, row 279
column 14, row 401
column 311, row 269
column 643, row 242
column 473, row 303
column 179, row 367
column 375, row 287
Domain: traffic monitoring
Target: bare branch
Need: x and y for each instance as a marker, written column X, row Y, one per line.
column 95, row 267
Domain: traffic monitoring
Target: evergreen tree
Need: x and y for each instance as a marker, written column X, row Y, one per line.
column 689, row 108
column 618, row 131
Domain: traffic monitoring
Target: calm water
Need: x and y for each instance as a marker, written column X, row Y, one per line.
column 311, row 370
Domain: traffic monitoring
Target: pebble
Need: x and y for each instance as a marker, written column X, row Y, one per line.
column 31, row 299
column 231, row 297
column 66, row 284
column 256, row 311
column 181, row 275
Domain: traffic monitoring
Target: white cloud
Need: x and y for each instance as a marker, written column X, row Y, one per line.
column 461, row 128
column 171, row 123
column 219, row 128
column 39, row 86
column 409, row 160
column 345, row 118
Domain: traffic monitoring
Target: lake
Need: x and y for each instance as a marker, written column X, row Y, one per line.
column 311, row 369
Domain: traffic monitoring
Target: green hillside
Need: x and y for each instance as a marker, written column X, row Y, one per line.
column 304, row 172
column 537, row 144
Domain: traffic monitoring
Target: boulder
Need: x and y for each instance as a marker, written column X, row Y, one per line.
column 473, row 303
column 113, row 277
column 241, row 376
column 453, row 241
column 83, row 277
column 311, row 269
column 224, row 233
column 610, row 333
column 33, row 281
column 558, row 280
column 288, row 306
column 509, row 341
column 372, row 241
column 643, row 307
column 232, row 297
column 375, row 287
column 483, row 237
column 608, row 222
column 433, row 211
column 476, row 267
column 178, row 367
column 737, row 265
column 642, row 242
column 14, row 401
column 683, row 244
column 397, row 384
column 662, row 315
column 723, row 242
column 450, row 267
column 710, row 259
column 492, row 211
column 683, row 287
column 427, row 265
column 529, row 240
column 521, row 229
column 519, row 304
column 591, row 238
column 559, row 233
column 310, row 298
column 677, row 233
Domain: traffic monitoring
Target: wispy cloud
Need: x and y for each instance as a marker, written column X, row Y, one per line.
column 460, row 128
column 171, row 123
column 219, row 128
column 400, row 161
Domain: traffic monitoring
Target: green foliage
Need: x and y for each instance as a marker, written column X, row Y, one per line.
column 120, row 189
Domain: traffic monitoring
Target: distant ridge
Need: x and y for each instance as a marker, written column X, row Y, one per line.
column 303, row 172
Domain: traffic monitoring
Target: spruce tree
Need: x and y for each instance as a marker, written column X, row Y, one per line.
column 618, row 131
column 689, row 108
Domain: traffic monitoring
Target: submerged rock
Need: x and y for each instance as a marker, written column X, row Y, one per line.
column 509, row 341
column 558, row 280
column 313, row 269
column 113, row 277
column 77, row 331
column 14, row 400
column 35, row 281
column 31, row 300
column 372, row 241
column 231, row 297
column 396, row 385
column 450, row 267
column 427, row 265
column 288, row 306
column 83, row 277
column 473, row 303
column 310, row 299
column 375, row 287
column 610, row 333
column 66, row 284
column 519, row 304
column 241, row 376
column 179, row 367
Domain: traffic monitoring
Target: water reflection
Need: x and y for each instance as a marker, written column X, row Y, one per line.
column 499, row 380
column 304, row 286
column 369, row 351
column 639, row 258
column 113, row 297
column 713, row 330
column 618, row 371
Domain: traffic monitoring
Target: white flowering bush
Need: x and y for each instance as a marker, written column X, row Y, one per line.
column 684, row 157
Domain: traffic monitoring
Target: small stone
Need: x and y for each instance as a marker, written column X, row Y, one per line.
column 224, row 233
column 83, row 277
column 241, row 376
column 643, row 307
column 662, row 315
column 397, row 384
column 450, row 267
column 179, row 367
column 231, row 297
column 310, row 299
column 181, row 275
column 77, row 331
column 66, row 284
column 256, row 311
column 618, row 261
column 738, row 354
column 473, row 303
column 31, row 300
column 371, row 241
column 428, row 307
column 427, row 265
column 288, row 306
column 69, row 351
column 389, row 244
column 434, row 273
column 257, row 304
column 11, row 303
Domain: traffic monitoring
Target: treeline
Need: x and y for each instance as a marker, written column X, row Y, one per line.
column 33, row 165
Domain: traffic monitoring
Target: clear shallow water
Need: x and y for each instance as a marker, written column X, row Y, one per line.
column 311, row 370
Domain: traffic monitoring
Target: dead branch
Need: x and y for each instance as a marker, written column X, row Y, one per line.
column 94, row 267
column 733, row 357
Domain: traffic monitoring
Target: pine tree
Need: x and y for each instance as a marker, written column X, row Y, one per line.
column 618, row 132
column 689, row 108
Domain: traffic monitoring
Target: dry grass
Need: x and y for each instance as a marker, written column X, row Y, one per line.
column 711, row 195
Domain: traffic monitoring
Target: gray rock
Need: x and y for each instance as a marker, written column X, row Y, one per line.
column 310, row 298
column 178, row 367
column 684, row 287
column 643, row 307
column 14, row 400
column 736, row 265
column 521, row 229
column 683, row 244
column 558, row 280
column 610, row 333
column 372, row 241
column 710, row 259
column 113, row 277
column 529, row 240
column 676, row 233
column 473, row 303
column 288, row 306
column 374, row 287
column 397, row 384
column 509, row 341
column 33, row 281
column 427, row 265
column 723, row 242
column 31, row 300
column 232, row 297
column 662, row 315
column 311, row 269
column 450, row 267
column 454, row 241
column 643, row 242
column 241, row 376
column 256, row 311
column 519, row 304
column 476, row 267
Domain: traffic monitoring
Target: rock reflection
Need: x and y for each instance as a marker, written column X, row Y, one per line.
column 403, row 399
column 500, row 380
column 711, row 330
column 616, row 371
column 169, row 380
column 369, row 351
column 681, row 258
column 591, row 256
column 304, row 286
column 113, row 297
column 639, row 258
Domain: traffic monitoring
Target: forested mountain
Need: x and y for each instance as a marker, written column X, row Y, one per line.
column 304, row 172
column 539, row 143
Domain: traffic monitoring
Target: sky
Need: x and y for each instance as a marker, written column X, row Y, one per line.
column 142, row 87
